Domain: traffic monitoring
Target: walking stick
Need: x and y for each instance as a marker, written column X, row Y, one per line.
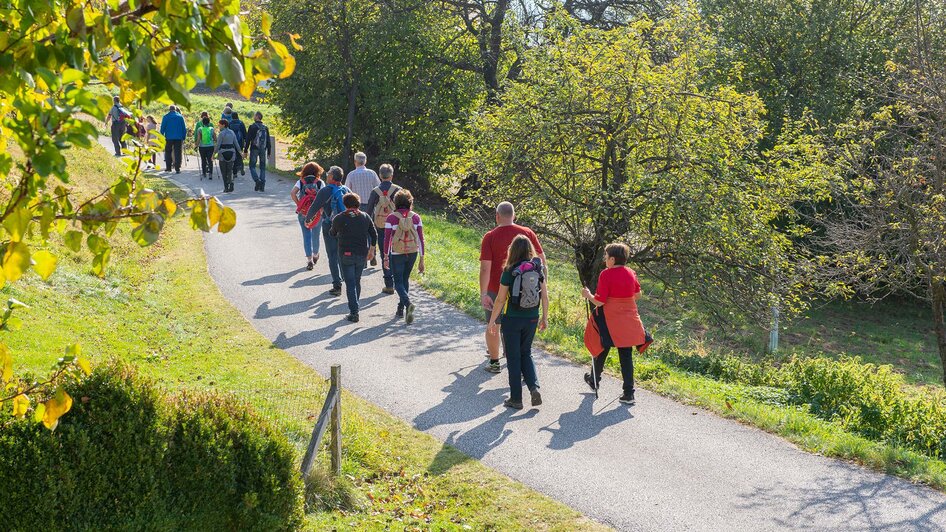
column 594, row 376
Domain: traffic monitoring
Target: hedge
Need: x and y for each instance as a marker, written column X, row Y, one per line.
column 128, row 456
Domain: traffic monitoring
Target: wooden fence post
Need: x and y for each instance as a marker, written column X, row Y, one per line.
column 336, row 443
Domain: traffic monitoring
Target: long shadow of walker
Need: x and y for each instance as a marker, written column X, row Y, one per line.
column 583, row 424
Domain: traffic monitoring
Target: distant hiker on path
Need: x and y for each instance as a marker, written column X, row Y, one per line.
column 615, row 321
column 328, row 203
column 226, row 150
column 205, row 138
column 239, row 129
column 404, row 237
column 303, row 193
column 175, row 131
column 522, row 291
column 493, row 251
column 380, row 206
column 150, row 126
column 362, row 181
column 117, row 115
column 259, row 148
column 356, row 241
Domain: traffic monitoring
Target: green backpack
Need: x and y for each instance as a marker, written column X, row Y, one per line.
column 206, row 135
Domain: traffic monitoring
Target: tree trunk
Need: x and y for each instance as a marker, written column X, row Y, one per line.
column 939, row 321
column 589, row 263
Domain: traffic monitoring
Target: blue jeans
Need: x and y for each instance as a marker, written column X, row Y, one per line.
column 401, row 267
column 388, row 276
column 310, row 238
column 518, row 334
column 331, row 253
column 258, row 155
column 352, row 268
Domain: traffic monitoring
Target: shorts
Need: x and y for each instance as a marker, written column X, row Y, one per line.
column 489, row 313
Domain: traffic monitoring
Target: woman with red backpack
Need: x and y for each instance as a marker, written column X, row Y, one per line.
column 303, row 194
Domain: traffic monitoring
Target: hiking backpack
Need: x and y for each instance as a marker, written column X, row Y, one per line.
column 385, row 205
column 527, row 284
column 406, row 240
column 261, row 141
column 206, row 135
column 308, row 192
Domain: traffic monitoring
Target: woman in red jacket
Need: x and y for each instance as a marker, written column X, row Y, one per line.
column 618, row 290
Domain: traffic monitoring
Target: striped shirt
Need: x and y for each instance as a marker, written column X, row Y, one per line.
column 362, row 181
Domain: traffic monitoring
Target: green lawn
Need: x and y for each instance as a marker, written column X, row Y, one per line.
column 452, row 275
column 158, row 308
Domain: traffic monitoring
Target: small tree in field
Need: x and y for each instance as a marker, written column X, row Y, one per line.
column 890, row 235
column 627, row 135
column 52, row 54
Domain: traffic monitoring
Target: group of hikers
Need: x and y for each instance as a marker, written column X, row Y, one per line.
column 513, row 271
column 229, row 143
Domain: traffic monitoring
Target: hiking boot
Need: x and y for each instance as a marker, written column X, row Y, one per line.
column 310, row 265
column 262, row 187
column 493, row 366
column 374, row 261
column 590, row 382
column 409, row 315
column 335, row 291
column 627, row 399
column 400, row 312
column 352, row 318
column 387, row 290
column 509, row 403
column 536, row 397
column 315, row 259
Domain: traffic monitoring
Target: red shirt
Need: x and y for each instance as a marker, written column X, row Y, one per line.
column 619, row 281
column 495, row 246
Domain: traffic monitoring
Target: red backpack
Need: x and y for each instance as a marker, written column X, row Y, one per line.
column 309, row 187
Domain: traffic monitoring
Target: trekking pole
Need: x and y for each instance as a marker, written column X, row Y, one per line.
column 594, row 376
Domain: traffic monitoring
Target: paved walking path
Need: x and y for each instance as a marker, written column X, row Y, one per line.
column 659, row 465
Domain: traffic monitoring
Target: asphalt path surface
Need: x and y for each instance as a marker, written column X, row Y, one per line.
column 657, row 465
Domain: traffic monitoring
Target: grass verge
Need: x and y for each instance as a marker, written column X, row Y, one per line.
column 158, row 308
column 452, row 275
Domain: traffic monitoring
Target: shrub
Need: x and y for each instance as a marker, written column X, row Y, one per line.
column 127, row 457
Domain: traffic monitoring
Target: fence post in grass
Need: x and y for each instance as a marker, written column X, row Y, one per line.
column 773, row 334
column 336, row 443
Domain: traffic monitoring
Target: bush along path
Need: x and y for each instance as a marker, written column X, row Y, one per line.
column 657, row 465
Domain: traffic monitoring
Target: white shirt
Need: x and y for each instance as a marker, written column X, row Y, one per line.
column 362, row 181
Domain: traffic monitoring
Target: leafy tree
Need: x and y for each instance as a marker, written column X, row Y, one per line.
column 623, row 135
column 52, row 56
column 799, row 55
column 368, row 75
column 888, row 224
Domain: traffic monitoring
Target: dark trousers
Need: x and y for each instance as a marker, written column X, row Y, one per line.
column 518, row 334
column 352, row 268
column 401, row 268
column 331, row 253
column 206, row 160
column 627, row 366
column 258, row 156
column 226, row 171
column 173, row 153
column 388, row 276
column 118, row 131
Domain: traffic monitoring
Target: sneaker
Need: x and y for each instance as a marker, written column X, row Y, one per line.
column 336, row 291
column 590, row 382
column 374, row 261
column 177, row 171
column 627, row 399
column 387, row 290
column 536, row 397
column 309, row 266
column 242, row 172
column 409, row 316
column 509, row 403
column 493, row 366
column 352, row 318
column 315, row 259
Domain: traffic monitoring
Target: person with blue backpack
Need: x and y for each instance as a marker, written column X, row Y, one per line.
column 303, row 193
column 239, row 129
column 327, row 204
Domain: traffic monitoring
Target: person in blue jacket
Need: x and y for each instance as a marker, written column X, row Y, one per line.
column 175, row 131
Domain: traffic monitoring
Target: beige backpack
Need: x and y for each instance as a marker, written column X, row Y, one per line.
column 385, row 205
column 406, row 239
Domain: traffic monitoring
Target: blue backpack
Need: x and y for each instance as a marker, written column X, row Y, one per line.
column 337, row 203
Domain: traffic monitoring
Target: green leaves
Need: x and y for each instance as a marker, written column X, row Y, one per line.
column 210, row 212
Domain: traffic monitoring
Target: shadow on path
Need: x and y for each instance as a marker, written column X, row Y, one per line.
column 583, row 423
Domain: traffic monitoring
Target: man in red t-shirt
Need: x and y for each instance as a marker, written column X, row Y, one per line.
column 493, row 251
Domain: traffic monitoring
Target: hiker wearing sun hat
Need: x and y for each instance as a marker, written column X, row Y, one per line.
column 303, row 194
